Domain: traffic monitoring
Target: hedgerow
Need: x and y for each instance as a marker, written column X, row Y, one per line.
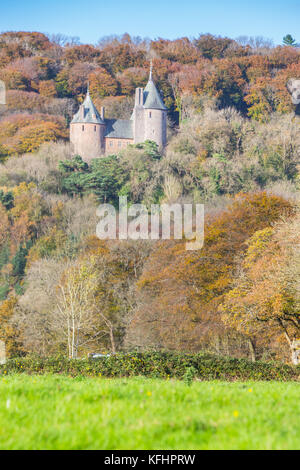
column 155, row 364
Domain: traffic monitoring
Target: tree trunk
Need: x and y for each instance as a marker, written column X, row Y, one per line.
column 73, row 338
column 226, row 345
column 295, row 349
column 112, row 341
column 2, row 352
column 217, row 344
column 295, row 352
column 252, row 350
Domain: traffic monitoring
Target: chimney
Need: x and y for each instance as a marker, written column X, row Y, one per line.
column 102, row 113
column 139, row 96
column 81, row 111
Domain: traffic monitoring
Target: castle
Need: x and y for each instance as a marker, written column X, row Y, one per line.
column 92, row 135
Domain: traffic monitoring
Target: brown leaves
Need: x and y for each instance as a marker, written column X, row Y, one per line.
column 179, row 291
column 102, row 83
column 23, row 133
column 265, row 300
column 8, row 331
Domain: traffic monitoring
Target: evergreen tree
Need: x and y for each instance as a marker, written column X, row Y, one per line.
column 4, row 255
column 4, row 289
column 75, row 165
column 105, row 179
column 20, row 259
column 288, row 40
column 7, row 199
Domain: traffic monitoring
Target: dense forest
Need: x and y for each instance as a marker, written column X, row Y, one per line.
column 233, row 144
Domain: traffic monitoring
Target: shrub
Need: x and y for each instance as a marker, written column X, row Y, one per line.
column 202, row 366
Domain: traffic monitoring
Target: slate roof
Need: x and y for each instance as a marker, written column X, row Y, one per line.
column 91, row 114
column 152, row 98
column 119, row 128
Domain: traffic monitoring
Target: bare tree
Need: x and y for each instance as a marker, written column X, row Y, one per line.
column 76, row 307
column 35, row 315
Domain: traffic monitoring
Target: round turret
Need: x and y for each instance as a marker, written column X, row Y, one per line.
column 87, row 131
column 153, row 126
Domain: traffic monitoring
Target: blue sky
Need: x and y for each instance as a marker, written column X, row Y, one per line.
column 92, row 19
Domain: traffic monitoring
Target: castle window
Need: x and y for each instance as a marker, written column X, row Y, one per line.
column 150, row 115
column 83, row 128
column 111, row 143
column 119, row 143
column 94, row 128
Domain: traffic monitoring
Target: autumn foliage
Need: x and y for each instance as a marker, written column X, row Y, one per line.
column 38, row 71
column 233, row 144
column 179, row 290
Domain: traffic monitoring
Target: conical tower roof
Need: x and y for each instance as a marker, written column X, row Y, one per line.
column 90, row 114
column 152, row 98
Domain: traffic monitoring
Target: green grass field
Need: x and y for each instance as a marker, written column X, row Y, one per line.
column 59, row 412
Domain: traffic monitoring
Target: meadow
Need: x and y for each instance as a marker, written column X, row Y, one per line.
column 60, row 412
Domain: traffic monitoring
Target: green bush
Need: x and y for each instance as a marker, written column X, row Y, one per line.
column 156, row 364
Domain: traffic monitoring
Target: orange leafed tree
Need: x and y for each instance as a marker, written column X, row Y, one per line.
column 264, row 302
column 179, row 290
column 102, row 83
column 8, row 331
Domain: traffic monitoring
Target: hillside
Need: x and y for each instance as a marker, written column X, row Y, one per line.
column 233, row 144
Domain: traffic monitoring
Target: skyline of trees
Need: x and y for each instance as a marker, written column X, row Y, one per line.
column 47, row 77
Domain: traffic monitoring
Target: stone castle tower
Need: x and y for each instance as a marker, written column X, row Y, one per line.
column 92, row 135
